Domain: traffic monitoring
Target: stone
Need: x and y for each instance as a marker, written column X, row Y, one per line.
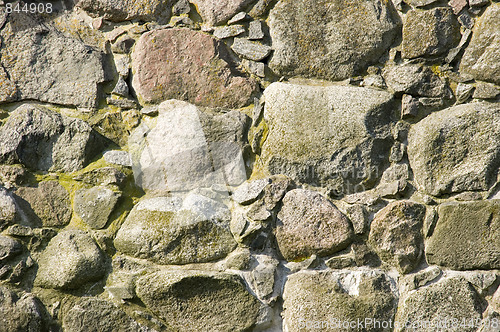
column 466, row 20
column 324, row 299
column 7, row 209
column 456, row 149
column 416, row 80
column 478, row 3
column 228, row 31
column 310, row 224
column 21, row 313
column 262, row 277
column 72, row 258
column 255, row 31
column 429, row 32
column 217, row 12
column 123, row 44
column 481, row 58
column 458, row 5
column 463, row 92
column 275, row 191
column 248, row 192
column 454, row 52
column 119, row 11
column 122, row 65
column 486, row 91
column 199, row 300
column 33, row 69
column 118, row 158
column 95, row 205
column 260, row 8
column 181, row 7
column 438, row 303
column 45, row 140
column 250, row 50
column 240, row 17
column 171, row 231
column 49, row 201
column 420, row 3
column 12, row 176
column 336, row 137
column 396, row 234
column 9, row 248
column 358, row 215
column 332, row 41
column 199, row 69
column 102, row 177
column 121, row 88
column 419, row 279
column 256, row 68
column 466, row 236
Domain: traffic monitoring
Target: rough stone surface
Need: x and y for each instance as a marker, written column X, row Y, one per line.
column 248, row 192
column 329, row 40
column 209, row 301
column 95, row 205
column 120, row 10
column 456, row 149
column 310, row 224
column 230, row 31
column 216, row 12
column 9, row 248
column 71, row 259
column 118, row 158
column 45, row 140
column 21, row 313
column 396, row 234
column 7, row 209
column 333, row 136
column 466, row 236
column 482, row 57
column 187, row 65
column 250, row 50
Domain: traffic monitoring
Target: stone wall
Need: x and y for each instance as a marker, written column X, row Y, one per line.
column 249, row 165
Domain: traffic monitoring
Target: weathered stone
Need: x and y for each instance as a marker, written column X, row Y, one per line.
column 13, row 175
column 456, row 149
column 329, row 40
column 49, row 201
column 429, row 32
column 240, row 17
column 40, row 63
column 274, row 192
column 310, row 224
column 262, row 277
column 452, row 299
column 248, row 192
column 103, row 177
column 330, row 136
column 199, row 300
column 181, row 7
column 457, row 5
column 420, row 3
column 119, row 10
column 121, row 88
column 45, row 140
column 216, row 12
column 466, row 236
column 396, row 234
column 486, row 91
column 255, row 31
column 9, row 248
column 358, row 215
column 482, row 57
column 187, row 65
column 171, row 231
column 314, row 299
column 25, row 313
column 250, row 50
column 118, row 158
column 463, row 92
column 71, row 259
column 95, row 205
column 419, row 279
column 229, row 31
column 7, row 209
column 256, row 68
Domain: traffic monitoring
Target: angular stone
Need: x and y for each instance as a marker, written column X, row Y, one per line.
column 466, row 236
column 199, row 300
column 21, row 313
column 217, row 12
column 275, row 191
column 120, row 10
column 446, row 301
column 171, row 231
column 336, row 137
column 314, row 298
column 429, row 32
column 49, row 201
column 310, row 224
column 103, row 177
column 9, row 247
column 187, row 65
column 95, row 205
column 7, row 209
column 240, row 17
column 45, row 140
column 396, row 234
column 121, row 88
column 486, row 91
column 248, row 192
column 482, row 57
column 255, row 31
column 456, row 149
column 250, row 50
column 420, row 3
column 41, row 63
column 333, row 41
column 229, row 31
column 256, row 68
column 71, row 259
column 118, row 158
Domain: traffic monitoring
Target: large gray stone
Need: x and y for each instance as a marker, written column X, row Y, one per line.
column 216, row 12
column 39, row 62
column 310, row 224
column 21, row 313
column 95, row 205
column 188, row 65
column 466, row 236
column 199, row 300
column 482, row 57
column 45, row 140
column 167, row 230
column 329, row 40
column 456, row 149
column 123, row 10
column 331, row 136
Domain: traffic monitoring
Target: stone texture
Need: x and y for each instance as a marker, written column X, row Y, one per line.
column 120, row 10
column 229, row 31
column 336, row 137
column 482, row 57
column 199, row 301
column 456, row 149
column 71, row 259
column 466, row 236
column 313, row 298
column 40, row 63
column 9, row 248
column 95, row 205
column 45, row 140
column 442, row 302
column 429, row 32
column 171, row 231
column 248, row 192
column 7, row 209
column 310, row 224
column 329, row 40
column 21, row 313
column 187, row 65
column 118, row 158
column 216, row 12
column 49, row 201
column 250, row 50
column 486, row 91
column 396, row 234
